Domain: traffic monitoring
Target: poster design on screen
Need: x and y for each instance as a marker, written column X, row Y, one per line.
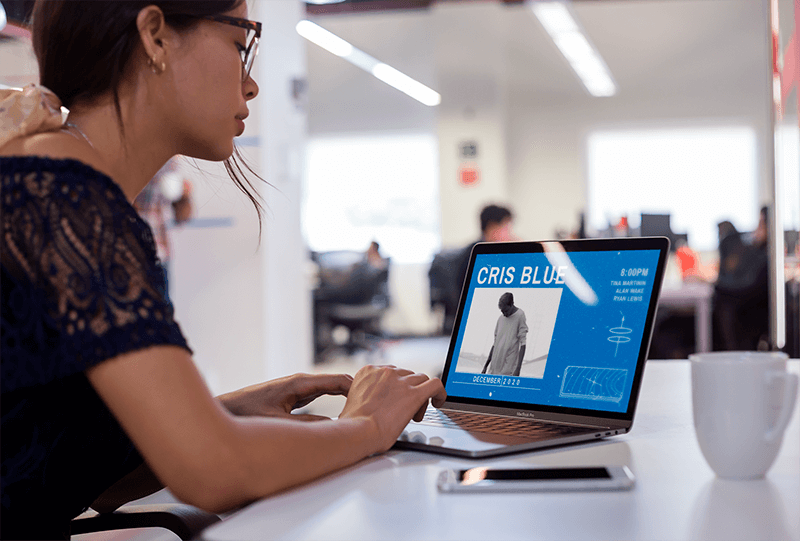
column 537, row 307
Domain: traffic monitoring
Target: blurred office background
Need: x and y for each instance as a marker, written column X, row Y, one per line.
column 677, row 132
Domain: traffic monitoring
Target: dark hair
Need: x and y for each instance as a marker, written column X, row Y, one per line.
column 83, row 48
column 726, row 228
column 493, row 214
column 508, row 296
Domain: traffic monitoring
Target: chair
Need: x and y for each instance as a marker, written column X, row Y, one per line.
column 351, row 293
column 446, row 278
column 183, row 520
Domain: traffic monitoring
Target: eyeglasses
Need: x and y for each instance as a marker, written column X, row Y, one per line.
column 253, row 35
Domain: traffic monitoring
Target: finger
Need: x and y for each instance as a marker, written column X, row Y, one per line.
column 416, row 379
column 434, row 390
column 421, row 412
column 310, row 387
column 319, row 384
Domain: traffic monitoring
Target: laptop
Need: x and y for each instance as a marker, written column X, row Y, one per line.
column 548, row 348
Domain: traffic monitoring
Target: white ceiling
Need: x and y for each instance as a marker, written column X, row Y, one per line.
column 478, row 52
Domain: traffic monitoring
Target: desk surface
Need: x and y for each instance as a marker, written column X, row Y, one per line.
column 677, row 496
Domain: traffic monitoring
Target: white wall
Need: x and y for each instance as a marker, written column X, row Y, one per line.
column 546, row 152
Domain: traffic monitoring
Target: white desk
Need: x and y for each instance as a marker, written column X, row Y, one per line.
column 696, row 296
column 677, row 496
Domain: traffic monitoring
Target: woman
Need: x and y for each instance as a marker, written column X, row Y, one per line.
column 101, row 402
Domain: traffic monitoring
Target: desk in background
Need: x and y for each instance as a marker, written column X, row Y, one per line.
column 677, row 496
column 696, row 296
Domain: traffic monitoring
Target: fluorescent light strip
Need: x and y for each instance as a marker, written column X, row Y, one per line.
column 389, row 75
column 584, row 59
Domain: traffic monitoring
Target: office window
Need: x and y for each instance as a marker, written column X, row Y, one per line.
column 382, row 188
column 700, row 176
column 787, row 151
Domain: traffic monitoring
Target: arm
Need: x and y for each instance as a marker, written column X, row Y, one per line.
column 519, row 362
column 522, row 336
column 488, row 361
column 216, row 461
column 276, row 398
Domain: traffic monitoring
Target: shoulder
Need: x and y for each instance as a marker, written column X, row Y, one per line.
column 65, row 198
column 56, row 145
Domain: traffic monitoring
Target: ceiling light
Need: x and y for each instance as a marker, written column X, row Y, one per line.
column 389, row 75
column 404, row 83
column 586, row 62
column 327, row 40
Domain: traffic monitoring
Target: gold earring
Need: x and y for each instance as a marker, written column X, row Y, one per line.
column 156, row 67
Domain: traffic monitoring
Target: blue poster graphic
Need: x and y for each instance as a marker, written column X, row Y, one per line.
column 561, row 329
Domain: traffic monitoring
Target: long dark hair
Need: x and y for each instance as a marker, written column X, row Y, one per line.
column 84, row 46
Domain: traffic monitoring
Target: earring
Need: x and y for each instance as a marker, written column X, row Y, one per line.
column 157, row 68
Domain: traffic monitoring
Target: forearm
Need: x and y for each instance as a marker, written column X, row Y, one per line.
column 254, row 457
column 217, row 461
column 276, row 454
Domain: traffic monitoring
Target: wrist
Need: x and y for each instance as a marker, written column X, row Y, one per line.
column 367, row 434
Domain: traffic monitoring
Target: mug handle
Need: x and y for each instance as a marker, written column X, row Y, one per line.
column 789, row 395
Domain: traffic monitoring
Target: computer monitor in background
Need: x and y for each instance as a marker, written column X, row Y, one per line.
column 658, row 225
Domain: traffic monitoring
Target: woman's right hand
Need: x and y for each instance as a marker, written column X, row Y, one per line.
column 389, row 397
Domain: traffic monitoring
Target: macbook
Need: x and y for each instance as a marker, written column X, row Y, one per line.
column 548, row 348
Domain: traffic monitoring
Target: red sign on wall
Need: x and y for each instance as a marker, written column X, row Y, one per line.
column 468, row 175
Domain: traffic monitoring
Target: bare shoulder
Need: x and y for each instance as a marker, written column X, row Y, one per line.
column 55, row 145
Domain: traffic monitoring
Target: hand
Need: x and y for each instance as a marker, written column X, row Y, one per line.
column 277, row 398
column 390, row 397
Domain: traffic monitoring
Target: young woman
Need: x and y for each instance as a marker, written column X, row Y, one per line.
column 101, row 402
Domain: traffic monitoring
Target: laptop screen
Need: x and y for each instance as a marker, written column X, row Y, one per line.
column 562, row 325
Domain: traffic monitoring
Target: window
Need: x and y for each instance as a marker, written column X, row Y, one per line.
column 700, row 176
column 787, row 158
column 383, row 188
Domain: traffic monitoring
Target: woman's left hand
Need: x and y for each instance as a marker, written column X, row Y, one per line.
column 277, row 398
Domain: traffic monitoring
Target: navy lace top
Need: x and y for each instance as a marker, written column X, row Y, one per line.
column 80, row 284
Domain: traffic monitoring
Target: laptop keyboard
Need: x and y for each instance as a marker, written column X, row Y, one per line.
column 494, row 424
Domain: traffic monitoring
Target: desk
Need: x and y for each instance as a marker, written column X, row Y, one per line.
column 696, row 296
column 677, row 496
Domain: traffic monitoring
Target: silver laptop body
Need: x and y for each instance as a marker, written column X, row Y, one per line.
column 584, row 311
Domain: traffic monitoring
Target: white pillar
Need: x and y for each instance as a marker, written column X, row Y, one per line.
column 281, row 66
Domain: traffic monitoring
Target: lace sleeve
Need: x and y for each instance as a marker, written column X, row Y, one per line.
column 80, row 279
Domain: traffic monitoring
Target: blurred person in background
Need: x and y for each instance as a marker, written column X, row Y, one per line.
column 449, row 268
column 741, row 292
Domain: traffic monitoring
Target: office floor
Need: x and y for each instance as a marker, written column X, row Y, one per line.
column 424, row 355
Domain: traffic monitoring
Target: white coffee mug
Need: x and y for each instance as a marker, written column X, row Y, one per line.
column 742, row 402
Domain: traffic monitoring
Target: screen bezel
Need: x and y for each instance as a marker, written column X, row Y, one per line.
column 583, row 245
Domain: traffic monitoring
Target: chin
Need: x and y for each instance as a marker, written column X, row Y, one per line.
column 212, row 153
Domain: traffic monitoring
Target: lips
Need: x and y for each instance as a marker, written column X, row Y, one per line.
column 240, row 122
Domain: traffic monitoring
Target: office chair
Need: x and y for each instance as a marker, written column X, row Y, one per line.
column 183, row 520
column 351, row 293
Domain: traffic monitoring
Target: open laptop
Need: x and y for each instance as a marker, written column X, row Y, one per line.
column 584, row 311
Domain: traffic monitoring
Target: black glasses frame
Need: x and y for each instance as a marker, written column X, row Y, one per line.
column 250, row 52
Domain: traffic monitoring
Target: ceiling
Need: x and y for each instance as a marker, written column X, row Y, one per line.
column 478, row 52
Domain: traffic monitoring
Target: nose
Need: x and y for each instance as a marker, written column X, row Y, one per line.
column 249, row 88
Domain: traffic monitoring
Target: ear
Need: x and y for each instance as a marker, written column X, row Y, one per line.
column 153, row 32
